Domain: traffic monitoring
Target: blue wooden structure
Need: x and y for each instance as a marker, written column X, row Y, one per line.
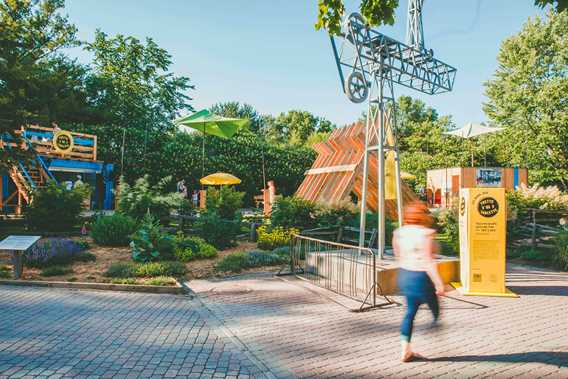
column 49, row 163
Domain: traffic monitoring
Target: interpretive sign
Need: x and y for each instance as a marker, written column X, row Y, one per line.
column 17, row 245
column 483, row 229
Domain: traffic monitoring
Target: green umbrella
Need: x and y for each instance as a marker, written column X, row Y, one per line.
column 212, row 124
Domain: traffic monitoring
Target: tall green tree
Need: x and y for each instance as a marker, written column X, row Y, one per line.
column 238, row 110
column 295, row 127
column 528, row 96
column 32, row 71
column 136, row 96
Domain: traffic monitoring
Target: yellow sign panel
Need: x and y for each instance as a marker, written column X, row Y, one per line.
column 483, row 229
column 63, row 141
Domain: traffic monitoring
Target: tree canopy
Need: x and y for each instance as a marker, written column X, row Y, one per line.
column 528, row 96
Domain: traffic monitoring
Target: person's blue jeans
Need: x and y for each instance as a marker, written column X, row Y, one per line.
column 418, row 289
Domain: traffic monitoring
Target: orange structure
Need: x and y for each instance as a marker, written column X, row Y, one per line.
column 337, row 172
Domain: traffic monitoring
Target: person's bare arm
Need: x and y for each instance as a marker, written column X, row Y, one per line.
column 433, row 266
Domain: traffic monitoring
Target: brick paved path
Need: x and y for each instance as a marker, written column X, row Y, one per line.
column 61, row 333
column 298, row 332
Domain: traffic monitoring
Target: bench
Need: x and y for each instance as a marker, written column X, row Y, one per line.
column 18, row 245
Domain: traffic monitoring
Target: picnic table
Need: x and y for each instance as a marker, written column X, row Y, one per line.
column 18, row 245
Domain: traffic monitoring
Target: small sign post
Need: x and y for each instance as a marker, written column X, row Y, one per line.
column 483, row 230
column 18, row 245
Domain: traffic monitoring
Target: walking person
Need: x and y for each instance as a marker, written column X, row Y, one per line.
column 418, row 278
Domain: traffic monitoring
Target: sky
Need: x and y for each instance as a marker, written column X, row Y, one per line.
column 267, row 52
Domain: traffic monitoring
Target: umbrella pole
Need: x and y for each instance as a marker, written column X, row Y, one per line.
column 203, row 154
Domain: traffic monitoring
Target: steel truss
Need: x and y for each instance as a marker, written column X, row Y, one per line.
column 369, row 65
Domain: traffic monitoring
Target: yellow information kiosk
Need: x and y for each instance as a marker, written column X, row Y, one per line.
column 483, row 229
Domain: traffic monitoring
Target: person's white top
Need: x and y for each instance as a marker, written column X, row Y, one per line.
column 414, row 247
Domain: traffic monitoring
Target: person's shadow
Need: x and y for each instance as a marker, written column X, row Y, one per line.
column 554, row 358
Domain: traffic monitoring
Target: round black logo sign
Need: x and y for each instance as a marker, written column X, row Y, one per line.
column 63, row 141
column 488, row 207
column 462, row 206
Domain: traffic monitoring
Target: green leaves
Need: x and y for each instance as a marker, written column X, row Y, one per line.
column 528, row 97
column 377, row 12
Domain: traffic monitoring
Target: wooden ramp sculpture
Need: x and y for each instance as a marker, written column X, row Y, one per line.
column 338, row 172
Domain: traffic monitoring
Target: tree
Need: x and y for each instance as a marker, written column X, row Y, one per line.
column 295, row 127
column 528, row 96
column 32, row 32
column 134, row 93
column 238, row 110
column 381, row 12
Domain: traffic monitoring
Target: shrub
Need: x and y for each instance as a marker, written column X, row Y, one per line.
column 448, row 226
column 561, row 257
column 190, row 248
column 153, row 269
column 55, row 209
column 277, row 237
column 161, row 281
column 530, row 254
column 335, row 214
column 124, row 281
column 283, row 251
column 372, row 221
column 56, row 271
column 57, row 251
column 224, row 201
column 141, row 198
column 216, row 230
column 5, row 272
column 232, row 263
column 293, row 212
column 536, row 197
column 121, row 270
column 239, row 261
column 113, row 230
column 149, row 243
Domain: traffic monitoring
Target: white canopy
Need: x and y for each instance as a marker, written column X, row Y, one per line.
column 471, row 130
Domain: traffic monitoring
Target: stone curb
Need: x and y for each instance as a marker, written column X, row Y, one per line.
column 174, row 290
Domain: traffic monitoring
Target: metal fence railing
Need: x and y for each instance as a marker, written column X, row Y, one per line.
column 344, row 269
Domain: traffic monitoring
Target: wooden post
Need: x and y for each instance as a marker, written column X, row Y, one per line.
column 19, row 206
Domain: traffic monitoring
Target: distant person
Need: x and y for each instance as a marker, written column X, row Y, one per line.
column 182, row 189
column 418, row 278
column 195, row 198
column 69, row 185
column 78, row 182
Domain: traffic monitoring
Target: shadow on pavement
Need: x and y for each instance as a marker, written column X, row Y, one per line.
column 555, row 358
column 540, row 290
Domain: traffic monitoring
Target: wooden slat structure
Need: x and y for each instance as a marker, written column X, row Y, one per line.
column 338, row 171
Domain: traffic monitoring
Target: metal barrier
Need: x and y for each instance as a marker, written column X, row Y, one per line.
column 347, row 270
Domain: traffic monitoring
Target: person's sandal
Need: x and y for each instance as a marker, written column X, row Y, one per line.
column 412, row 357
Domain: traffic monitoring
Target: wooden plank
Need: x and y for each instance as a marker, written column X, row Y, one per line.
column 331, row 169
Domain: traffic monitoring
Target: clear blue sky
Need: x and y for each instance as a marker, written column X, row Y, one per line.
column 267, row 53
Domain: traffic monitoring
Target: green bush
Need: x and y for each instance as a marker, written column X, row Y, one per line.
column 141, row 198
column 5, row 272
column 124, row 270
column 216, row 230
column 240, row 261
column 113, row 230
column 224, row 201
column 530, row 254
column 190, row 248
column 121, row 270
column 277, row 237
column 447, row 223
column 54, row 209
column 232, row 263
column 150, row 244
column 337, row 214
column 372, row 221
column 124, row 281
column 56, row 271
column 283, row 251
column 561, row 257
column 154, row 269
column 57, row 252
column 293, row 212
column 161, row 281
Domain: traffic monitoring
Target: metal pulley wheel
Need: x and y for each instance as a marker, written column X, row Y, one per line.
column 357, row 23
column 356, row 87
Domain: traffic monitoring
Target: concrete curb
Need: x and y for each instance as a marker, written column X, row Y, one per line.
column 174, row 290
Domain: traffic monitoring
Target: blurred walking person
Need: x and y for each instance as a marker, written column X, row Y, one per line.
column 418, row 278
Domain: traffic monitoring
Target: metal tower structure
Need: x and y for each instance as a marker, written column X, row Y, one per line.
column 369, row 65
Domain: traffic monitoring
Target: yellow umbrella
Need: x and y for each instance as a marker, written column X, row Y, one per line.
column 219, row 179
